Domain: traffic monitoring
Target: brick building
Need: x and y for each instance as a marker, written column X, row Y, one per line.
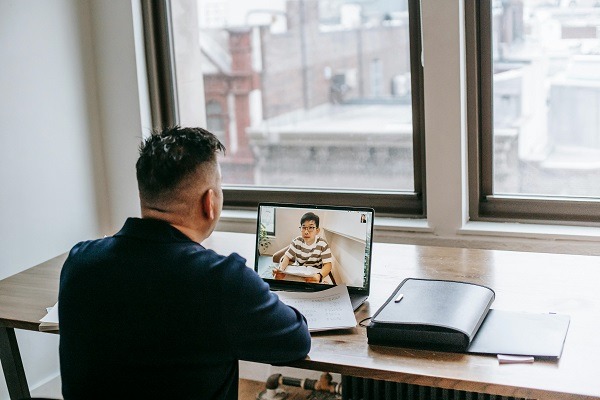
column 255, row 78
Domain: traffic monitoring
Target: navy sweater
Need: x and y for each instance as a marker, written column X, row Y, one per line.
column 148, row 313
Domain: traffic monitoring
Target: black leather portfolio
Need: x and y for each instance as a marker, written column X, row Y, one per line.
column 435, row 314
column 456, row 316
column 521, row 333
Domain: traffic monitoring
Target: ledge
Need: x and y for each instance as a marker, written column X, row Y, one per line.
column 537, row 231
column 245, row 221
column 483, row 235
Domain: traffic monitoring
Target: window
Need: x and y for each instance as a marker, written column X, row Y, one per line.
column 318, row 101
column 376, row 78
column 215, row 120
column 533, row 69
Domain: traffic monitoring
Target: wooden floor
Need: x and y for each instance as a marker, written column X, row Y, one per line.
column 249, row 390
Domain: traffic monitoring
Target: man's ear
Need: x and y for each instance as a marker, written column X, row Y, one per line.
column 208, row 204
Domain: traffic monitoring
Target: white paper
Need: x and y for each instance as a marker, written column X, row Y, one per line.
column 299, row 270
column 325, row 309
column 52, row 316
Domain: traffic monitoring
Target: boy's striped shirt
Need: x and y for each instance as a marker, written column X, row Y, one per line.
column 314, row 255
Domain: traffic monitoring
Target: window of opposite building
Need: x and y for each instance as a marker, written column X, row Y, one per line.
column 215, row 120
column 534, row 110
column 318, row 101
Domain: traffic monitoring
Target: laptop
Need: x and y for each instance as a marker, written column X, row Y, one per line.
column 346, row 231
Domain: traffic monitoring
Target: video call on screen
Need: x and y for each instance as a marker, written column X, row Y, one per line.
column 347, row 233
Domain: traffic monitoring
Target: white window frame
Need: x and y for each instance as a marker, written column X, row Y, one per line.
column 485, row 205
column 159, row 60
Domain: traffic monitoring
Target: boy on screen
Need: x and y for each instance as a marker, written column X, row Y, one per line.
column 309, row 250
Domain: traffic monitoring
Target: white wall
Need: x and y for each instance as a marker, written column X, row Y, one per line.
column 48, row 196
column 123, row 113
column 287, row 222
column 60, row 110
column 342, row 224
column 445, row 129
column 350, row 254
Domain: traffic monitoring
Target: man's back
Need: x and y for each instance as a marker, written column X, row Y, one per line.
column 150, row 313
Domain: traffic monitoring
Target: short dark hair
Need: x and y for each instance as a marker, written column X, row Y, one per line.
column 170, row 155
column 310, row 216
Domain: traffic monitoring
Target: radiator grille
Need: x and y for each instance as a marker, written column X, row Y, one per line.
column 369, row 389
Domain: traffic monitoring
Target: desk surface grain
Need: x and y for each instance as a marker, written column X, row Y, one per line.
column 25, row 296
column 532, row 282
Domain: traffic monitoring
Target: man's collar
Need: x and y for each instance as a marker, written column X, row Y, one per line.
column 151, row 229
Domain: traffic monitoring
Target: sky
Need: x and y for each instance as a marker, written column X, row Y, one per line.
column 238, row 12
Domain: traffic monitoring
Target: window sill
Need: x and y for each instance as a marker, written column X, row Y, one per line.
column 551, row 232
column 475, row 234
column 245, row 221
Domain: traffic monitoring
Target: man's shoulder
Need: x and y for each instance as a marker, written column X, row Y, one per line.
column 89, row 247
column 233, row 260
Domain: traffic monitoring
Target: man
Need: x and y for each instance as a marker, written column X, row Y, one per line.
column 149, row 312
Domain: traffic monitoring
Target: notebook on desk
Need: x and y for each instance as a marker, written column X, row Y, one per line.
column 344, row 236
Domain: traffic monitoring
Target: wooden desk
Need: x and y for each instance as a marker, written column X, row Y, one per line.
column 23, row 301
column 522, row 281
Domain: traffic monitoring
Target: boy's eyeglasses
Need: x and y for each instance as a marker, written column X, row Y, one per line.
column 307, row 228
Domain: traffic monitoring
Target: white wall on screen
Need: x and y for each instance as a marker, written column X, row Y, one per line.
column 349, row 259
column 287, row 222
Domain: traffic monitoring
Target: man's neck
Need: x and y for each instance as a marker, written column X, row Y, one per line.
column 189, row 232
column 177, row 221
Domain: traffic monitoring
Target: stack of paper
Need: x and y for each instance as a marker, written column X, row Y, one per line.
column 50, row 321
column 325, row 309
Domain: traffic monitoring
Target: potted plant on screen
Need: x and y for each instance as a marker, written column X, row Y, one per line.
column 264, row 241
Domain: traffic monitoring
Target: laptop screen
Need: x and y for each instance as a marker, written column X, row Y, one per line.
column 310, row 247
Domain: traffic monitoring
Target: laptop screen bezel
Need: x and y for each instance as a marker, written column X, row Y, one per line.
column 301, row 286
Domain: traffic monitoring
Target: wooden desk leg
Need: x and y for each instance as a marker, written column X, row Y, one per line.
column 13, row 365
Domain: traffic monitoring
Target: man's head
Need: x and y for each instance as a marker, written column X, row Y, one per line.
column 309, row 226
column 170, row 157
column 176, row 171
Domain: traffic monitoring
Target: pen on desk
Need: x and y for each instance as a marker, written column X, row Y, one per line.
column 400, row 296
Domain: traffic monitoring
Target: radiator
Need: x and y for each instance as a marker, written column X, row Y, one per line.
column 370, row 389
